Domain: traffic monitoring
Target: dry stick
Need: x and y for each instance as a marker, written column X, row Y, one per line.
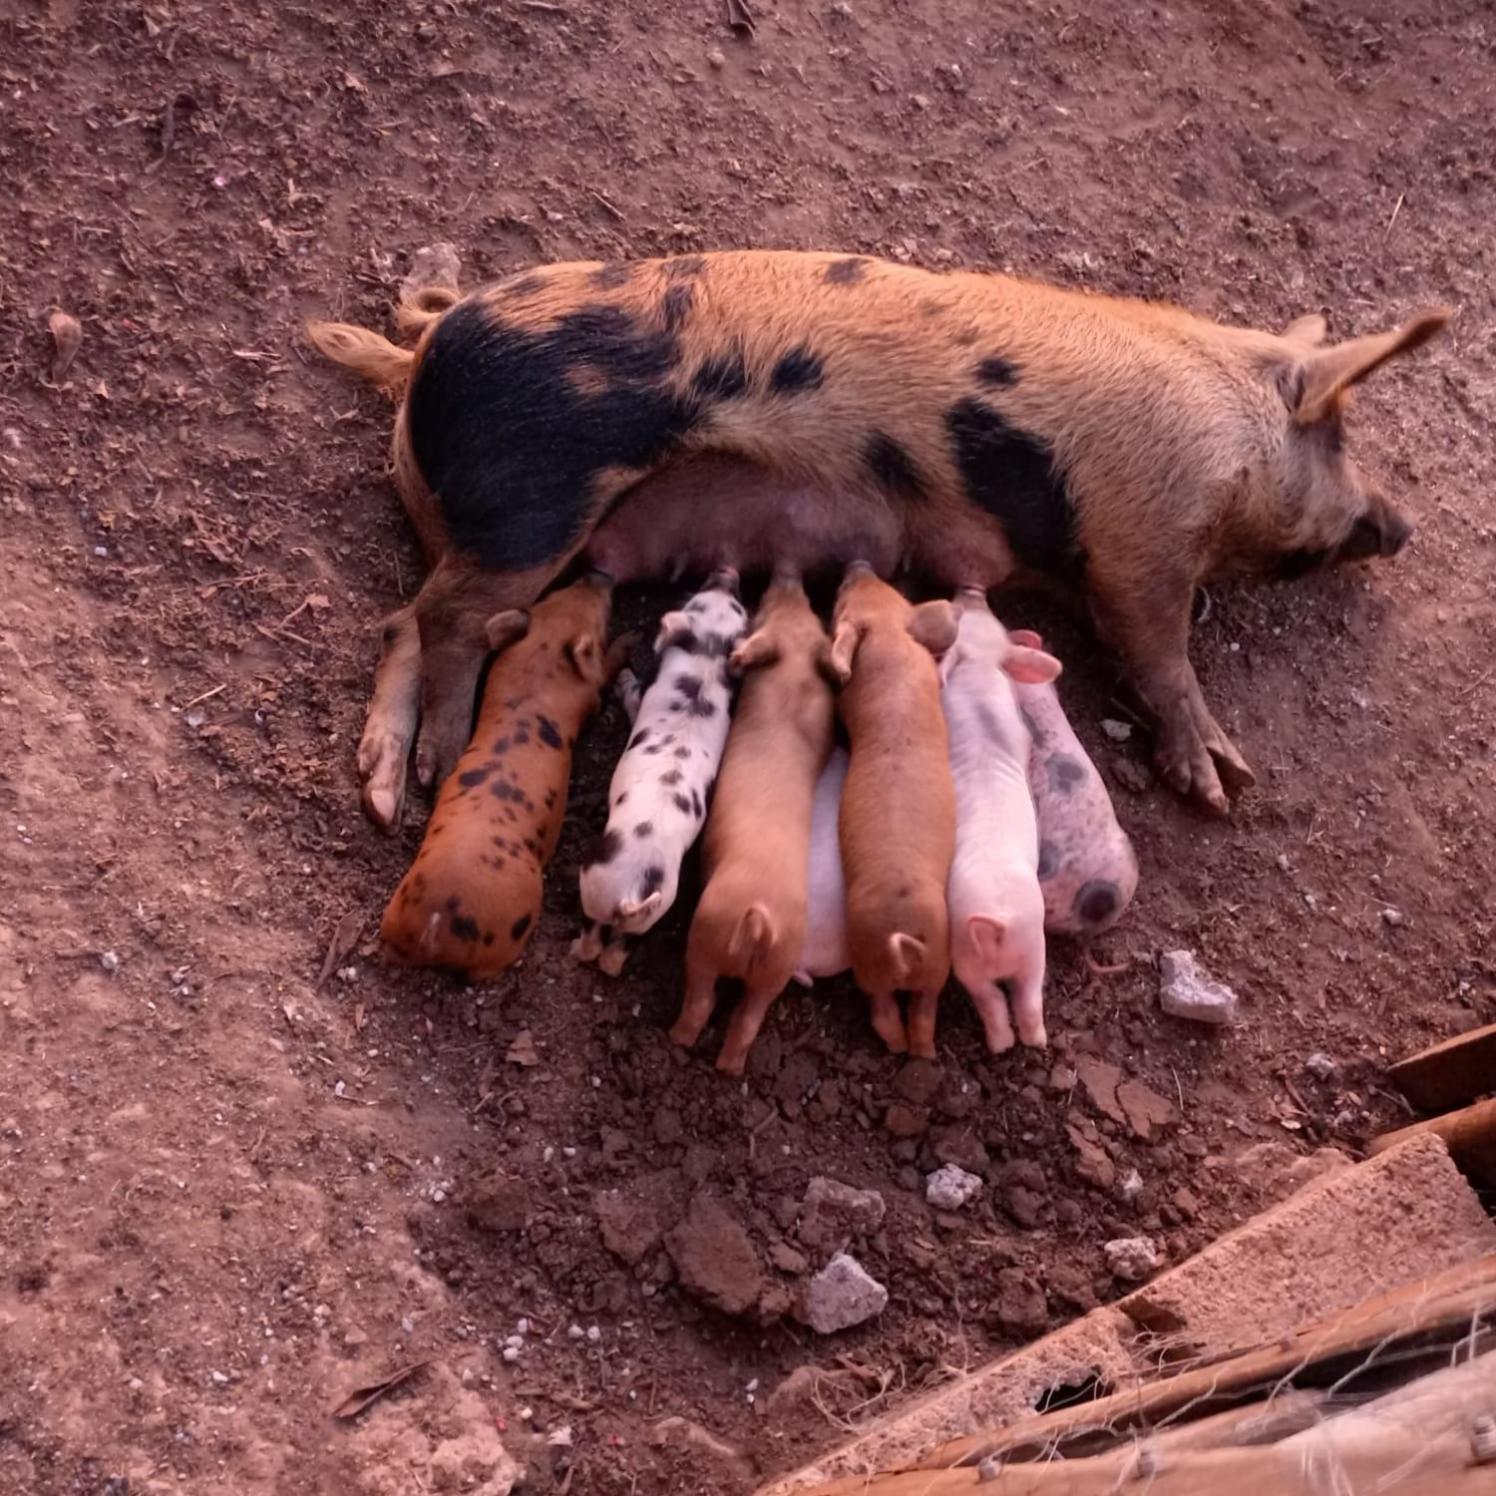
column 206, row 696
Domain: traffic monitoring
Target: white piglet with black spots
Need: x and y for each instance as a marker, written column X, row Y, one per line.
column 658, row 796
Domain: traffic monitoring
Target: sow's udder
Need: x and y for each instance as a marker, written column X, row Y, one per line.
column 1087, row 867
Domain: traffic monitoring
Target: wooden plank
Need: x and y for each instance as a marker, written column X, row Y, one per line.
column 1428, row 1309
column 1469, row 1134
column 1448, row 1075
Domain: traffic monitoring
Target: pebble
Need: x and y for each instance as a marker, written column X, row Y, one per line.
column 196, row 717
column 1393, row 917
column 843, row 1294
column 950, row 1187
column 1131, row 1258
column 716, row 58
column 109, row 961
column 1186, row 992
column 1320, row 1065
column 510, row 1353
column 1130, row 1186
column 1118, row 732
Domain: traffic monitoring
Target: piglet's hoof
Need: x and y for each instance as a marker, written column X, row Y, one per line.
column 613, row 959
column 586, row 947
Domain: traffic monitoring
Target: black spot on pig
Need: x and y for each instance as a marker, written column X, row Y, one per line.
column 681, row 639
column 550, row 734
column 1048, row 861
column 997, row 372
column 688, row 686
column 520, row 285
column 604, row 849
column 654, row 879
column 676, row 304
column 501, row 747
column 892, row 466
column 683, row 752
column 502, row 790
column 1097, row 902
column 1012, row 474
column 654, row 748
column 520, row 925
column 470, row 779
column 682, row 804
column 702, row 708
column 464, row 927
column 1065, row 772
column 673, row 776
column 488, row 398
column 610, row 277
column 488, row 937
column 798, row 370
column 846, row 272
column 644, row 828
column 696, row 805
column 722, row 377
column 638, row 738
column 685, row 267
column 622, row 796
column 550, row 799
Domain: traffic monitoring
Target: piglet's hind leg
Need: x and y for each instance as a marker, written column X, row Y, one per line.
column 889, row 1022
column 746, row 1022
column 701, row 997
column 390, row 727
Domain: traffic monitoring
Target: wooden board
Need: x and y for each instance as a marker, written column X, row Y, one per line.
column 1449, row 1074
column 1469, row 1134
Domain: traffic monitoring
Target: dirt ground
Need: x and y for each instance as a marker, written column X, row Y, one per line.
column 230, row 1192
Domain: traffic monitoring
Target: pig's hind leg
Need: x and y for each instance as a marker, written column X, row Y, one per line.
column 700, row 999
column 390, row 727
column 889, row 1022
column 924, row 1009
column 747, row 1020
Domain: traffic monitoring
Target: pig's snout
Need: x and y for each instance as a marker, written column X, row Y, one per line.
column 1396, row 532
column 1381, row 531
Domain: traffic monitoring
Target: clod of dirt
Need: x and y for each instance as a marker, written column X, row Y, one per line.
column 834, row 1213
column 906, row 1121
column 950, row 1187
column 961, row 1146
column 1091, row 1161
column 1186, row 992
column 918, row 1081
column 1131, row 1258
column 67, row 338
column 1020, row 1303
column 843, row 1294
column 1100, row 1080
column 432, row 265
column 1146, row 1111
column 715, row 1258
column 633, row 1219
column 499, row 1203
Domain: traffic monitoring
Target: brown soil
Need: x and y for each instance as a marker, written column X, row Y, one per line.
column 230, row 1194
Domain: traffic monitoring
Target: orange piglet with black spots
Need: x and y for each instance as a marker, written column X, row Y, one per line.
column 471, row 899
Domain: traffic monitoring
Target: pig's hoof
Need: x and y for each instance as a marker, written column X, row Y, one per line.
column 382, row 760
column 582, row 950
column 1194, row 754
column 613, row 959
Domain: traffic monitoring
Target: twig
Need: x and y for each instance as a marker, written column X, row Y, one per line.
column 612, row 208
column 206, row 696
column 1396, row 209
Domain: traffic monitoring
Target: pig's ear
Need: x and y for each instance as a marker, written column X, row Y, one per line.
column 841, row 652
column 1030, row 667
column 585, row 652
column 1029, row 638
column 617, row 656
column 633, row 908
column 1310, row 330
column 671, row 623
column 934, row 625
column 986, row 935
column 1330, row 372
column 757, row 649
column 507, row 628
column 908, row 952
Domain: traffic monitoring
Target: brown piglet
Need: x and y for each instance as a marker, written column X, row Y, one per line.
column 898, row 813
column 750, row 922
column 471, row 899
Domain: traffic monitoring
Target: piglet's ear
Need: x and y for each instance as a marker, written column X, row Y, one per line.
column 1027, row 637
column 986, row 935
column 507, row 628
column 757, row 649
column 586, row 655
column 671, row 623
column 618, row 654
column 1030, row 667
column 934, row 625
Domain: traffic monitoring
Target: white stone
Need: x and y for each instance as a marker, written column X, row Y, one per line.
column 1186, row 992
column 843, row 1294
column 1131, row 1257
column 951, row 1187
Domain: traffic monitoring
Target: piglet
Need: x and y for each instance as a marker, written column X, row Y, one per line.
column 996, row 903
column 472, row 897
column 898, row 817
column 826, row 952
column 751, row 920
column 658, row 796
column 1087, row 867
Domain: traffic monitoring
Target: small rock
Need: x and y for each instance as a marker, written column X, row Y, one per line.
column 843, row 1294
column 1100, row 1080
column 1091, row 1161
column 1186, row 992
column 716, row 58
column 918, row 1082
column 1130, row 1186
column 715, row 1258
column 1146, row 1111
column 1320, row 1065
column 632, row 1219
column 834, row 1213
column 109, row 960
column 1131, row 1258
column 1020, row 1303
column 1186, row 1202
column 906, row 1121
column 1133, row 777
column 499, row 1203
column 950, row 1187
column 1393, row 917
column 1118, row 732
column 920, row 101
column 67, row 338
column 787, row 1259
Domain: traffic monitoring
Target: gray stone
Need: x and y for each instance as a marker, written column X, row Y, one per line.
column 1131, row 1257
column 1186, row 992
column 950, row 1187
column 843, row 1294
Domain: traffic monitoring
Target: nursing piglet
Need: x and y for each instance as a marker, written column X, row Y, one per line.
column 996, row 903
column 1087, row 867
column 471, row 899
column 751, row 921
column 658, row 796
column 898, row 817
column 826, row 952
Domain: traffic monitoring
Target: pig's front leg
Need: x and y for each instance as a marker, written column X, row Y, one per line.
column 1152, row 633
column 629, row 692
column 394, row 713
